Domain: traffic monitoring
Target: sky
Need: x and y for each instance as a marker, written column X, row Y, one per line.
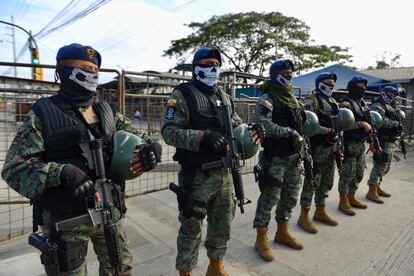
column 132, row 34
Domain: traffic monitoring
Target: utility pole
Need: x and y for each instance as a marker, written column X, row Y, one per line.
column 14, row 47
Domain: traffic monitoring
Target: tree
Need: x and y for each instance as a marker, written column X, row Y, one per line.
column 387, row 60
column 251, row 41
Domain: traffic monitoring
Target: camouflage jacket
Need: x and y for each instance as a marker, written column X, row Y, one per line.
column 24, row 169
column 381, row 108
column 264, row 110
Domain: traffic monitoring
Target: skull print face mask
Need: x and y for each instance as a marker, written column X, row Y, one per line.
column 207, row 74
column 77, row 86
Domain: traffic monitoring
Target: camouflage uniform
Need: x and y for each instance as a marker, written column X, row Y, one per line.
column 284, row 177
column 211, row 188
column 323, row 162
column 26, row 172
column 353, row 166
column 382, row 167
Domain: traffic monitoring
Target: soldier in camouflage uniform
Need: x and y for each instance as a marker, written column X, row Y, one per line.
column 353, row 166
column 194, row 127
column 323, row 155
column 283, row 118
column 45, row 163
column 390, row 129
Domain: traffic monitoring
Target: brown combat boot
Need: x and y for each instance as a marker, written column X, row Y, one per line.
column 321, row 216
column 216, row 268
column 262, row 246
column 185, row 273
column 344, row 206
column 373, row 195
column 284, row 237
column 305, row 223
column 383, row 193
column 354, row 202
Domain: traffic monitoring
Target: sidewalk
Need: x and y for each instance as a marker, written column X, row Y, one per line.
column 377, row 241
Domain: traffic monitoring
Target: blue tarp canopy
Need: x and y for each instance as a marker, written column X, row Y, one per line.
column 307, row 82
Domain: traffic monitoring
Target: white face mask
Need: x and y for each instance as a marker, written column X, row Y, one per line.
column 325, row 88
column 387, row 98
column 85, row 79
column 209, row 75
column 283, row 81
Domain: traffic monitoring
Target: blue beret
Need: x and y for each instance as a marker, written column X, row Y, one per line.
column 281, row 64
column 78, row 51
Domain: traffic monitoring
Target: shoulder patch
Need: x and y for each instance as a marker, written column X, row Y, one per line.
column 171, row 102
column 344, row 104
column 170, row 112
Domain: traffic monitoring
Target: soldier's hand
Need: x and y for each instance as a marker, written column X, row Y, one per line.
column 146, row 158
column 332, row 137
column 365, row 127
column 214, row 141
column 297, row 139
column 258, row 133
column 76, row 181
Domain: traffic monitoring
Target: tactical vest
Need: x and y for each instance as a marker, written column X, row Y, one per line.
column 285, row 117
column 388, row 134
column 62, row 131
column 203, row 116
column 327, row 108
column 361, row 113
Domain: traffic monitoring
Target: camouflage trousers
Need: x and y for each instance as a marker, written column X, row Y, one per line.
column 81, row 234
column 324, row 171
column 382, row 167
column 284, row 182
column 212, row 187
column 353, row 167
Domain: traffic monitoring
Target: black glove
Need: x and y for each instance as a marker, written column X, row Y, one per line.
column 214, row 141
column 75, row 181
column 332, row 137
column 260, row 130
column 150, row 155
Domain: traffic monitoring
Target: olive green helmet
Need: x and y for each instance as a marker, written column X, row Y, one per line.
column 124, row 147
column 242, row 135
column 311, row 124
column 376, row 119
column 346, row 119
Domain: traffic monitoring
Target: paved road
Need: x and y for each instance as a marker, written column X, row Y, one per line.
column 377, row 241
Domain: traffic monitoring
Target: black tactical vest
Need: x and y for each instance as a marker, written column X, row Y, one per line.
column 361, row 113
column 285, row 117
column 327, row 107
column 62, row 131
column 388, row 134
column 203, row 115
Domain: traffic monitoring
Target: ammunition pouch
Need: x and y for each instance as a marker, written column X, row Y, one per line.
column 71, row 255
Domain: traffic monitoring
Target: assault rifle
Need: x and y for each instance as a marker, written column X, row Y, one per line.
column 103, row 211
column 232, row 159
column 339, row 149
column 305, row 155
column 402, row 141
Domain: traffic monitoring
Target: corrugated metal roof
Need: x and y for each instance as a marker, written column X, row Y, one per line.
column 403, row 74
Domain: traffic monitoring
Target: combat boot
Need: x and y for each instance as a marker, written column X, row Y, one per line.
column 321, row 216
column 185, row 273
column 383, row 193
column 373, row 195
column 344, row 206
column 354, row 202
column 305, row 223
column 284, row 237
column 216, row 268
column 262, row 245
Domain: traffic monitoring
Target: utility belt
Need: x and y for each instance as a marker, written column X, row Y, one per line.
column 280, row 147
column 320, row 140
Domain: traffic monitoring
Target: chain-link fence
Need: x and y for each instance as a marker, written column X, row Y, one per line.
column 141, row 97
